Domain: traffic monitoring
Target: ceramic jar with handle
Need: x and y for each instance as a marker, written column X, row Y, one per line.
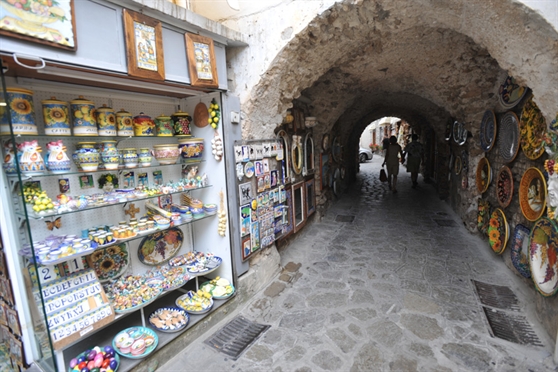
column 83, row 114
column 181, row 121
column 22, row 112
column 109, row 155
column 106, row 121
column 164, row 126
column 57, row 160
column 56, row 115
column 87, row 156
column 124, row 123
column 143, row 125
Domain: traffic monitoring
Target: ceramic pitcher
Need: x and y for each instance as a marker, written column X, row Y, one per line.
column 31, row 162
column 87, row 156
column 57, row 160
column 109, row 155
column 56, row 116
column 83, row 113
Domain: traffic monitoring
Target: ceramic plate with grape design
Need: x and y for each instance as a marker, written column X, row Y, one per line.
column 160, row 247
column 543, row 256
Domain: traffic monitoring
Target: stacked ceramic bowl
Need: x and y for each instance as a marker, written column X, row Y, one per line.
column 210, row 209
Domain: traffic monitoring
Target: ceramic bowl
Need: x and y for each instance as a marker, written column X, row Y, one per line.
column 166, row 154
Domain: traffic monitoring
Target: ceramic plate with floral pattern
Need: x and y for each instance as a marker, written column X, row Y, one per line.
column 498, row 231
column 483, row 216
column 111, row 262
column 520, row 250
column 504, row 186
column 543, row 256
column 532, row 194
column 532, row 126
column 511, row 93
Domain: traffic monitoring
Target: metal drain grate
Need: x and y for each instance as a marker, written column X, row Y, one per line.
column 235, row 337
column 513, row 328
column 344, row 218
column 497, row 296
column 446, row 223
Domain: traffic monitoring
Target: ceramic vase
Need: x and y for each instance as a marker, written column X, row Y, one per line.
column 120, row 159
column 144, row 157
column 31, row 162
column 166, row 154
column 191, row 148
column 106, row 121
column 9, row 158
column 164, row 126
column 22, row 113
column 109, row 155
column 83, row 113
column 181, row 121
column 57, row 160
column 56, row 116
column 143, row 125
column 87, row 156
column 130, row 158
column 124, row 123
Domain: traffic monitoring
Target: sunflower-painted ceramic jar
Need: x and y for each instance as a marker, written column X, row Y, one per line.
column 164, row 126
column 182, row 122
column 106, row 121
column 22, row 112
column 56, row 115
column 83, row 113
column 124, row 123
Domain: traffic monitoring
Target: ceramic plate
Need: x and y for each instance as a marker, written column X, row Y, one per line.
column 137, row 333
column 484, row 175
column 204, row 266
column 459, row 133
column 508, row 137
column 532, row 194
column 447, row 134
column 186, row 299
column 543, row 246
column 156, row 294
column 532, row 126
column 110, row 263
column 169, row 319
column 487, row 131
column 222, row 297
column 325, row 142
column 483, row 216
column 498, row 231
column 458, row 165
column 520, row 250
column 249, row 169
column 504, row 186
column 510, row 93
column 160, row 247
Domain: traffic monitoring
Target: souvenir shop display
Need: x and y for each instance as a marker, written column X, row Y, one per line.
column 504, row 186
column 532, row 127
column 488, row 130
column 508, row 137
column 520, row 250
column 543, row 256
column 532, row 194
column 498, row 231
column 484, row 175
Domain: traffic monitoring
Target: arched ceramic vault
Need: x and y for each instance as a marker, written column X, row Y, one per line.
column 426, row 58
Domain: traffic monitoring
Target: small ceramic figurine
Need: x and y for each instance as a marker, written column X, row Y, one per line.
column 57, row 160
column 31, row 161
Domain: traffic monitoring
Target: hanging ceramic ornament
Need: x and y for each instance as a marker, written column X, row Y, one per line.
column 222, row 227
column 217, row 146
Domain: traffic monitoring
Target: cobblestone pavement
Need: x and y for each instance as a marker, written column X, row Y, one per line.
column 390, row 291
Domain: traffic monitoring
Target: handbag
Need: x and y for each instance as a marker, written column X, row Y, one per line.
column 383, row 175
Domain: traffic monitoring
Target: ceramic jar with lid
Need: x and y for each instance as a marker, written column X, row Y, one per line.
column 124, row 123
column 56, row 115
column 143, row 125
column 83, row 114
column 106, row 121
column 164, row 126
column 181, row 121
column 22, row 112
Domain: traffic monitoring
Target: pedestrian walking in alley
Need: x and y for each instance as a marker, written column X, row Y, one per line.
column 393, row 153
column 414, row 152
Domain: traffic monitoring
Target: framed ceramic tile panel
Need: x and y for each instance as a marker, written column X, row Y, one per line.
column 201, row 61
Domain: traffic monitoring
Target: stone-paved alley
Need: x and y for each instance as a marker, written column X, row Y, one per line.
column 391, row 291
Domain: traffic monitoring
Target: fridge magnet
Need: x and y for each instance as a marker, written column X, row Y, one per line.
column 260, row 200
column 259, row 151
column 143, row 179
column 254, row 204
column 238, row 154
column 267, row 181
column 245, row 226
column 273, row 149
column 249, row 169
column 245, row 211
column 255, row 236
column 254, row 215
column 258, row 168
column 265, row 200
column 278, row 211
column 202, row 65
column 265, row 164
column 245, row 154
column 64, row 185
column 239, row 171
column 274, row 178
column 54, row 223
column 108, row 182
column 261, row 184
column 282, row 194
column 158, row 177
column 273, row 198
column 144, row 46
column 49, row 23
column 13, row 321
column 246, row 247
column 280, row 153
column 266, row 153
column 246, row 192
column 86, row 182
column 252, row 151
column 3, row 317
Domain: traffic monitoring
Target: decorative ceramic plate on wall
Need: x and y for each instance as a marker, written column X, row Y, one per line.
column 510, row 93
column 498, row 231
column 111, row 262
column 504, row 186
column 508, row 137
column 543, row 253
column 459, row 133
column 484, row 175
column 532, row 194
column 532, row 126
column 449, row 124
column 483, row 216
column 458, row 165
column 487, row 131
column 325, row 142
column 520, row 250
column 160, row 247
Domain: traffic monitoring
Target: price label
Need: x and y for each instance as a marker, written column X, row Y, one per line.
column 48, row 273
